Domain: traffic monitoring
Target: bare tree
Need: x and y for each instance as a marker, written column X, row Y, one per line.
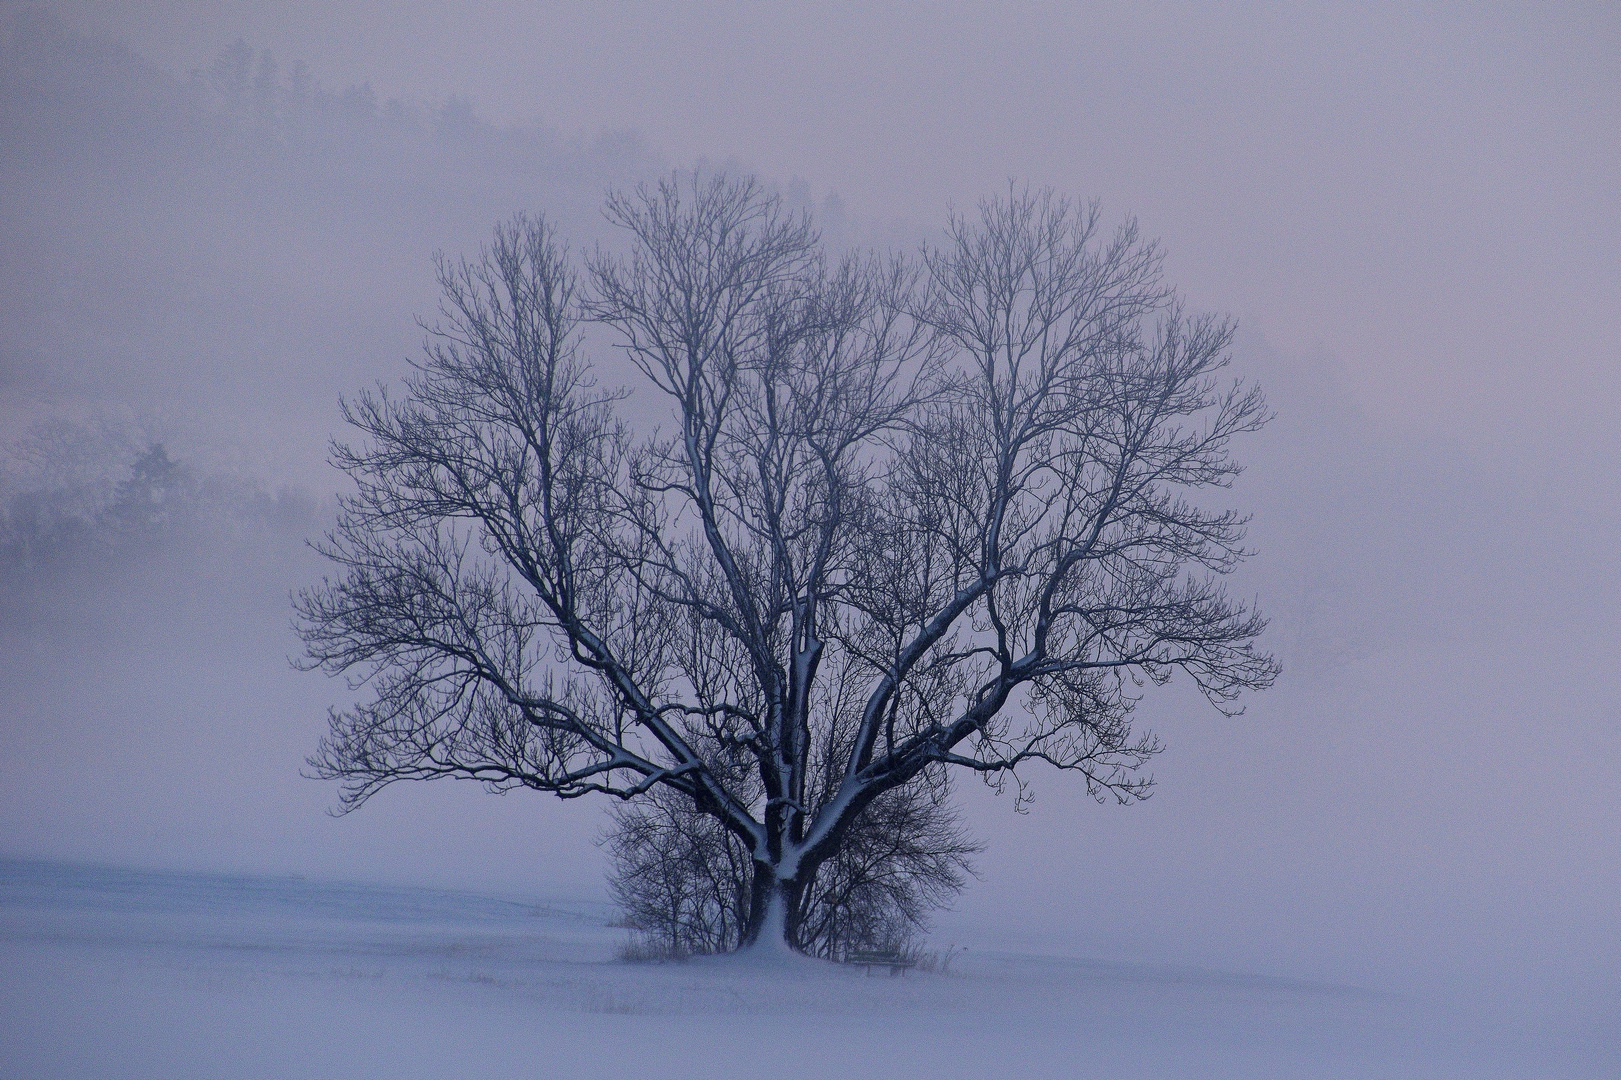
column 903, row 518
column 684, row 881
column 681, row 880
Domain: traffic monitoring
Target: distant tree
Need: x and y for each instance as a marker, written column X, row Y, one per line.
column 157, row 490
column 266, row 90
column 901, row 519
column 62, row 499
column 229, row 76
column 97, row 495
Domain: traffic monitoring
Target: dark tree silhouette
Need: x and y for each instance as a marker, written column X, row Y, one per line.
column 684, row 881
column 901, row 518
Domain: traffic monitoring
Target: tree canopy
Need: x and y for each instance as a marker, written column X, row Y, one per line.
column 902, row 516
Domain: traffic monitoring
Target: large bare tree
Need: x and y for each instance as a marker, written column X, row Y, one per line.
column 683, row 881
column 900, row 518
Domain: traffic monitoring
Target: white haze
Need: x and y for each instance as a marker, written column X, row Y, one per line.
column 1413, row 217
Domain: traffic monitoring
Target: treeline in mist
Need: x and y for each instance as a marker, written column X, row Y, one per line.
column 87, row 504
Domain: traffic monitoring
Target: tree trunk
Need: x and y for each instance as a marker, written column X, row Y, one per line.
column 773, row 911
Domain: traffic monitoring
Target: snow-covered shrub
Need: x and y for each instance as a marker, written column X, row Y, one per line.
column 684, row 882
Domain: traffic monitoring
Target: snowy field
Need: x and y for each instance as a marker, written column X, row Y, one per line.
column 122, row 973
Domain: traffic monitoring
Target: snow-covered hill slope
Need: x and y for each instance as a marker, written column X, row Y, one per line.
column 120, row 973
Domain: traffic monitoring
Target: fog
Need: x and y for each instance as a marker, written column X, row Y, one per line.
column 1413, row 217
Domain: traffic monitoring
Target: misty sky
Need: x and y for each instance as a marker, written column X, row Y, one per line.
column 1413, row 215
column 1430, row 196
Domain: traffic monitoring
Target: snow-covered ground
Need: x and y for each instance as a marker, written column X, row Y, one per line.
column 122, row 973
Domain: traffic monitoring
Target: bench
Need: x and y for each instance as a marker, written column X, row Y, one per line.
column 894, row 961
